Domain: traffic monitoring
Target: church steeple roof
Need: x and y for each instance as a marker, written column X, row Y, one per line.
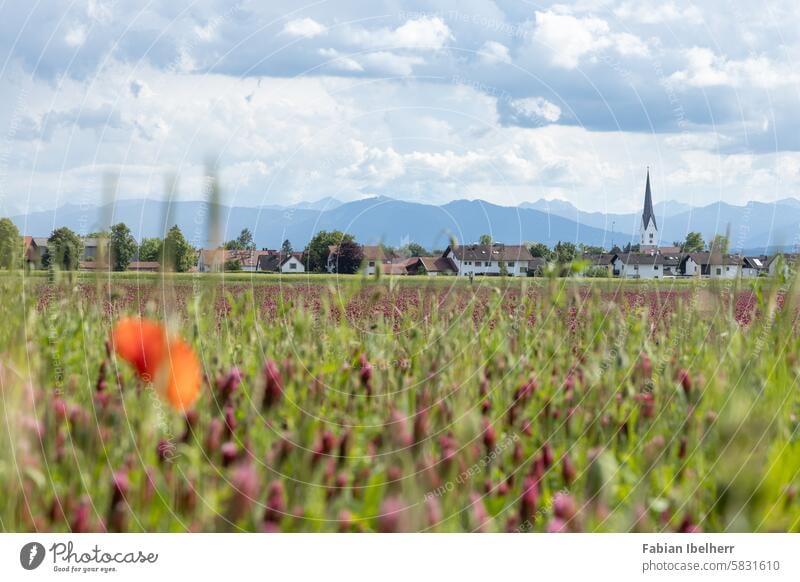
column 647, row 213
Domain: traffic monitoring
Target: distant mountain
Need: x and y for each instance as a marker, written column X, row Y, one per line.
column 371, row 220
column 754, row 226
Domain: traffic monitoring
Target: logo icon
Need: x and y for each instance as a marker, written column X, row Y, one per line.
column 31, row 555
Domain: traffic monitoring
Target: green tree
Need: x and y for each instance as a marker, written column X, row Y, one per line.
column 631, row 248
column 151, row 249
column 286, row 247
column 243, row 242
column 541, row 250
column 591, row 249
column 123, row 247
column 10, row 244
column 565, row 252
column 232, row 265
column 64, row 250
column 316, row 252
column 693, row 243
column 178, row 253
column 486, row 239
column 414, row 250
column 720, row 244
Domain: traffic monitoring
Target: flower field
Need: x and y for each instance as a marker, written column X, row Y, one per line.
column 351, row 405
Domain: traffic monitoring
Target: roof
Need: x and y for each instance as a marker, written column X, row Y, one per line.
column 438, row 264
column 218, row 256
column 788, row 257
column 41, row 241
column 670, row 250
column 400, row 267
column 753, row 262
column 272, row 261
column 707, row 258
column 647, row 259
column 537, row 262
column 647, row 212
column 600, row 259
column 495, row 252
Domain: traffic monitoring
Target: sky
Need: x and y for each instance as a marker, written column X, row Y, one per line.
column 507, row 101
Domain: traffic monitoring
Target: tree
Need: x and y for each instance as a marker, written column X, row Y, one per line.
column 565, row 252
column 243, row 242
column 541, row 250
column 64, row 250
column 232, row 265
column 414, row 250
column 693, row 243
column 286, row 247
column 178, row 253
column 591, row 249
column 486, row 239
column 151, row 249
column 720, row 244
column 630, row 248
column 316, row 252
column 123, row 247
column 10, row 244
column 349, row 257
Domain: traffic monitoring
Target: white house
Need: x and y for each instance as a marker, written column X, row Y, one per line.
column 713, row 265
column 753, row 266
column 478, row 260
column 280, row 263
column 645, row 266
column 789, row 263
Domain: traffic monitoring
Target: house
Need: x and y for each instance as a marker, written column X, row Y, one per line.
column 601, row 261
column 436, row 266
column 753, row 266
column 408, row 266
column 711, row 264
column 213, row 260
column 276, row 262
column 645, row 266
column 479, row 260
column 537, row 266
column 92, row 248
column 789, row 263
column 31, row 254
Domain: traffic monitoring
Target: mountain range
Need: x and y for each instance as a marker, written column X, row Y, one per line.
column 756, row 227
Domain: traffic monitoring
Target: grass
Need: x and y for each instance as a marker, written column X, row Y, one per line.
column 421, row 404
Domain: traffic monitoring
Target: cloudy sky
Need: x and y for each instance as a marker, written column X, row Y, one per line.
column 504, row 100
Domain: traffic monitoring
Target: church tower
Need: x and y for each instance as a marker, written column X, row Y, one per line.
column 648, row 231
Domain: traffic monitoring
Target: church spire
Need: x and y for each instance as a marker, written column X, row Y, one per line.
column 647, row 212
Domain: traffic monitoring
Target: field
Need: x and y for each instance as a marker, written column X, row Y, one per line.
column 347, row 404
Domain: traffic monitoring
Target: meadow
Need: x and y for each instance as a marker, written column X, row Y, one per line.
column 356, row 405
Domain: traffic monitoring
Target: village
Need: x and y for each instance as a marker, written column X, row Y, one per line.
column 341, row 255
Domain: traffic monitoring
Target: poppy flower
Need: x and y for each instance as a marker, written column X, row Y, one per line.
column 170, row 363
column 141, row 343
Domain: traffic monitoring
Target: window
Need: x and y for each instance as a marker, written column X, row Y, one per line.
column 655, row 267
column 292, row 265
column 372, row 263
column 651, row 237
column 727, row 269
column 719, row 271
column 510, row 263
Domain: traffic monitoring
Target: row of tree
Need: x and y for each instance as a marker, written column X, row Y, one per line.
column 65, row 248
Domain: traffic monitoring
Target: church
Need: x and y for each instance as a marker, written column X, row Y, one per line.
column 648, row 230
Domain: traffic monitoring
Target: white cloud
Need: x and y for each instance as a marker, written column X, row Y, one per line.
column 569, row 38
column 340, row 62
column 304, row 27
column 494, row 52
column 704, row 68
column 419, row 33
column 75, row 36
column 391, row 63
column 537, row 107
column 657, row 13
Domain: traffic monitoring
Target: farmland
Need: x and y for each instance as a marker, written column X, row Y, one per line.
column 350, row 404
